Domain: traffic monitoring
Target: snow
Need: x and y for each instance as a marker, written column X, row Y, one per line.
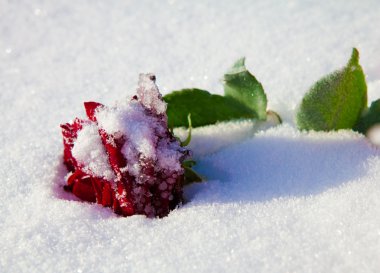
column 142, row 129
column 130, row 120
column 279, row 201
column 374, row 134
column 228, row 133
column 149, row 94
column 90, row 153
column 169, row 156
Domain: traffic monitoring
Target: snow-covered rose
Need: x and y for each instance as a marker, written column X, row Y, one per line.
column 125, row 157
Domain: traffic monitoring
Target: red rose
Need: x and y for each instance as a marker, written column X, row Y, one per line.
column 125, row 157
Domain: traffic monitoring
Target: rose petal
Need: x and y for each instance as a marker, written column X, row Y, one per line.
column 91, row 108
column 70, row 133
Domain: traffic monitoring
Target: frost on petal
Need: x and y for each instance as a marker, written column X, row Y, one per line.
column 169, row 155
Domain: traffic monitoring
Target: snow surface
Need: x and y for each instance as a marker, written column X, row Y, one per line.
column 281, row 201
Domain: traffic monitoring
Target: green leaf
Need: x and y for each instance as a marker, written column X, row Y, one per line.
column 336, row 101
column 370, row 117
column 189, row 163
column 191, row 176
column 205, row 108
column 241, row 85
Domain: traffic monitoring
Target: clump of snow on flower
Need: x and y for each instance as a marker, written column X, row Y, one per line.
column 149, row 95
column 90, row 153
column 146, row 134
column 168, row 155
column 130, row 119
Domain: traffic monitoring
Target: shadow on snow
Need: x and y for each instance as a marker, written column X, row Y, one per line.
column 264, row 168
